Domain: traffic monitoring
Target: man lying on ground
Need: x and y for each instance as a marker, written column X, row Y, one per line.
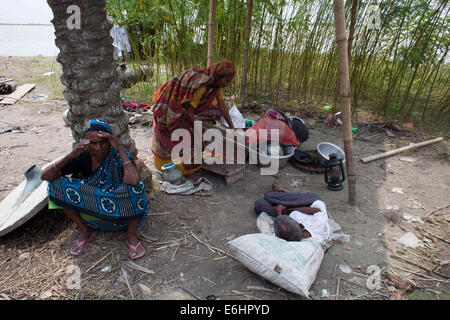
column 297, row 215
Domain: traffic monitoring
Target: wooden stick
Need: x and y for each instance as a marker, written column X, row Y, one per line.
column 128, row 284
column 175, row 252
column 437, row 210
column 139, row 268
column 158, row 213
column 190, row 293
column 262, row 289
column 235, row 293
column 245, row 295
column 338, row 287
column 432, row 234
column 416, row 273
column 17, row 99
column 396, row 151
column 90, row 268
column 211, row 247
column 410, row 262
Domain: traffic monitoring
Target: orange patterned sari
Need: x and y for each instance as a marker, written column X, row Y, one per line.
column 192, row 87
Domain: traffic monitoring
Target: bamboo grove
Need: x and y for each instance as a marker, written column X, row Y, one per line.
column 399, row 49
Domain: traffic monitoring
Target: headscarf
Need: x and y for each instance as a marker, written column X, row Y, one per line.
column 185, row 84
column 96, row 125
column 221, row 69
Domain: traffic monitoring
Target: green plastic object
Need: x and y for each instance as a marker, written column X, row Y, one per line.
column 354, row 129
column 248, row 123
column 328, row 107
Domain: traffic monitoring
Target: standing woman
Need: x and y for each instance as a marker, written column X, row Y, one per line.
column 194, row 92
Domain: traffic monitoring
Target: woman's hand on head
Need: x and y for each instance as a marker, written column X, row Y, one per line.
column 78, row 149
column 112, row 139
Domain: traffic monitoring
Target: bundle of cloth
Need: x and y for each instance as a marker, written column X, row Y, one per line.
column 133, row 106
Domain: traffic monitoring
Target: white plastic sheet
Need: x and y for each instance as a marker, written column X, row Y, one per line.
column 236, row 117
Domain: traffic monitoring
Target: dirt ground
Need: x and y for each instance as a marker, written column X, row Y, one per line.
column 396, row 195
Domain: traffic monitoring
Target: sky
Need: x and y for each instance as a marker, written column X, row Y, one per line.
column 25, row 12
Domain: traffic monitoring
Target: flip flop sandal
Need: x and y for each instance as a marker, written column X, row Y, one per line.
column 83, row 245
column 134, row 248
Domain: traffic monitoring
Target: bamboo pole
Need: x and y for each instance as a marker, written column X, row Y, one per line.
column 344, row 88
column 248, row 28
column 212, row 15
column 396, row 151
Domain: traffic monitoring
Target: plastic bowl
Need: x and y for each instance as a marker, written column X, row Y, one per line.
column 324, row 149
column 288, row 151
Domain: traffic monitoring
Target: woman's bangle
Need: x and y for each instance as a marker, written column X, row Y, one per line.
column 127, row 162
column 54, row 166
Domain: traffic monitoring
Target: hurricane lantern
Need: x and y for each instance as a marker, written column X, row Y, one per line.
column 334, row 173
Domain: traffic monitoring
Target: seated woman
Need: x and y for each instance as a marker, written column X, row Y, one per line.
column 196, row 91
column 109, row 195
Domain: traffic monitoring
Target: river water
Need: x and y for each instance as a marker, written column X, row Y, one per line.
column 26, row 29
column 27, row 40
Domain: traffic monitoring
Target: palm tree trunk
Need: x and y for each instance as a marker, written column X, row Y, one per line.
column 344, row 84
column 212, row 14
column 89, row 71
column 246, row 45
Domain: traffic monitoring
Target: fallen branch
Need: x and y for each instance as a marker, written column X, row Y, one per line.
column 438, row 237
column 262, row 289
column 128, row 284
column 190, row 293
column 245, row 295
column 133, row 265
column 158, row 213
column 6, row 80
column 167, row 246
column 175, row 252
column 211, row 247
column 91, row 267
column 401, row 283
column 399, row 150
column 429, row 214
column 338, row 288
column 235, row 293
column 410, row 262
